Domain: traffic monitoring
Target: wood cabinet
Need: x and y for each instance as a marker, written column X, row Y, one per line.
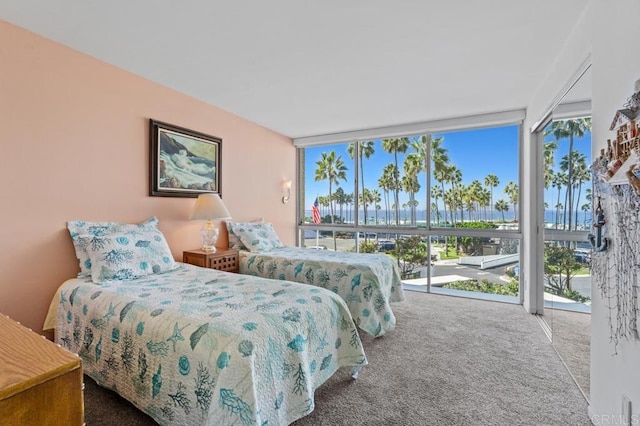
column 40, row 382
column 222, row 259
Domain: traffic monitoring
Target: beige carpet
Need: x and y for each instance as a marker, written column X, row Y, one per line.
column 571, row 335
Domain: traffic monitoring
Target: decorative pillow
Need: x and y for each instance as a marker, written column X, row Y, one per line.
column 256, row 236
column 125, row 255
column 96, row 229
column 234, row 241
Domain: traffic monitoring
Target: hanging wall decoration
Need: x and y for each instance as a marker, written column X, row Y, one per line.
column 616, row 258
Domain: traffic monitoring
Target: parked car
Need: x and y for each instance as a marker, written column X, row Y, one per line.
column 385, row 245
column 317, row 247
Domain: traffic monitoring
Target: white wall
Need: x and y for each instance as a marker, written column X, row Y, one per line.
column 616, row 66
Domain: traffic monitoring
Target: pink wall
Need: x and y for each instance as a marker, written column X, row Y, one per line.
column 74, row 145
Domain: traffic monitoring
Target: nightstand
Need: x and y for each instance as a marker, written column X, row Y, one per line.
column 40, row 382
column 223, row 259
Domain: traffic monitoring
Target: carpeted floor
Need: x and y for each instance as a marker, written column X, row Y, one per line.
column 571, row 334
column 450, row 361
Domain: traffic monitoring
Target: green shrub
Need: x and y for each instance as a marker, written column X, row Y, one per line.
column 484, row 286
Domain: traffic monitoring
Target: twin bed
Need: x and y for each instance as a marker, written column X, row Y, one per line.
column 189, row 345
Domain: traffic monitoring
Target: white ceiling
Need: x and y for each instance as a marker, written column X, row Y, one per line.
column 305, row 68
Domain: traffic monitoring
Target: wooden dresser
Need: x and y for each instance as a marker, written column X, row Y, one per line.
column 40, row 383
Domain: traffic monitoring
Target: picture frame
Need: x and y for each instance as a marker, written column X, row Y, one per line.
column 183, row 162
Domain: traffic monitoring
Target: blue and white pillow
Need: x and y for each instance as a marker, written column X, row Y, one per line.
column 122, row 256
column 256, row 236
column 234, row 241
column 80, row 228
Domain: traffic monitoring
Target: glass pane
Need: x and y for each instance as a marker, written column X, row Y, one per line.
column 472, row 266
column 328, row 184
column 475, row 178
column 567, row 194
column 392, row 181
column 328, row 240
column 567, row 275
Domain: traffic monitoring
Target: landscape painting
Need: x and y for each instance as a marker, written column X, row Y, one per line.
column 184, row 163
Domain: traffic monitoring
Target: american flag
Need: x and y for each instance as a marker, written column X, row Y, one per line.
column 315, row 211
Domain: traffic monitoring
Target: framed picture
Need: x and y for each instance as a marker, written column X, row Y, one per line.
column 184, row 163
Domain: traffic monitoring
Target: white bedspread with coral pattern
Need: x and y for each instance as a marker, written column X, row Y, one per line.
column 197, row 346
column 367, row 282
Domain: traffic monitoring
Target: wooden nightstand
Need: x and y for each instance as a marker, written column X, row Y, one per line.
column 222, row 260
column 40, row 382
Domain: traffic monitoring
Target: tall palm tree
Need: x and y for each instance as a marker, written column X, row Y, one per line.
column 569, row 129
column 436, row 194
column 585, row 208
column 581, row 174
column 340, row 197
column 331, row 167
column 323, row 200
column 394, row 146
column 375, row 199
column 514, row 196
column 558, row 182
column 548, row 156
column 384, row 183
column 491, row 181
column 412, row 166
column 440, row 160
column 422, row 145
column 502, row 206
column 366, row 150
column 389, row 181
column 455, row 179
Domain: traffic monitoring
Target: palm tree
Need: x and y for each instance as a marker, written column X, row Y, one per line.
column 366, row 150
column 412, row 166
column 558, row 181
column 513, row 192
column 422, row 145
column 570, row 129
column 348, row 200
column 440, row 160
column 436, row 194
column 585, row 208
column 340, row 197
column 455, row 179
column 484, row 201
column 581, row 174
column 331, row 168
column 388, row 184
column 375, row 199
column 365, row 200
column 324, row 203
column 491, row 181
column 502, row 206
column 395, row 146
column 549, row 161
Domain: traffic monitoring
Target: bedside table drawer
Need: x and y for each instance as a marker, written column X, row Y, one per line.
column 227, row 263
column 223, row 260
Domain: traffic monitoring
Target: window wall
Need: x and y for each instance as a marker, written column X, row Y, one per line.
column 436, row 201
column 567, row 213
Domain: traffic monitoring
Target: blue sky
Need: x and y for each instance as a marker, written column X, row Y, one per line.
column 476, row 153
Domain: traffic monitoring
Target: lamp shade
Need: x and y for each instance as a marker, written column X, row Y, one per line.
column 209, row 207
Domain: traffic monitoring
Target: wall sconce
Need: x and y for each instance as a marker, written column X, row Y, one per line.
column 286, row 186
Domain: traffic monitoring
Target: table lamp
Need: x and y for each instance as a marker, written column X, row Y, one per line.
column 209, row 207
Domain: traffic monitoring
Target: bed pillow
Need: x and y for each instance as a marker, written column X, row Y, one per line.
column 124, row 255
column 93, row 229
column 256, row 236
column 234, row 241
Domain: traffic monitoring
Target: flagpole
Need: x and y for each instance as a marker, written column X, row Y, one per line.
column 317, row 238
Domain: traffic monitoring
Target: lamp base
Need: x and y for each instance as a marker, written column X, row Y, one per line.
column 209, row 235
